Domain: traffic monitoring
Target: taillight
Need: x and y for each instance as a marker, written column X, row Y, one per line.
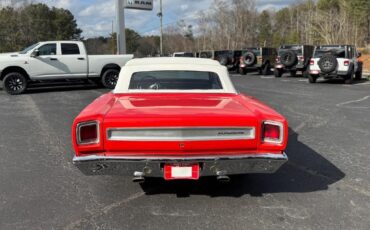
column 88, row 133
column 312, row 62
column 346, row 62
column 272, row 132
column 301, row 58
column 278, row 59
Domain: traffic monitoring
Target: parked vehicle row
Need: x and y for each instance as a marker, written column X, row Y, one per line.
column 58, row 61
column 328, row 62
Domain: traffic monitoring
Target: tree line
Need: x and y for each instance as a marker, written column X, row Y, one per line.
column 236, row 24
column 20, row 27
column 228, row 24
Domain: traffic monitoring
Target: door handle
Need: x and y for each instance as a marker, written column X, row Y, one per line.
column 81, row 58
column 53, row 59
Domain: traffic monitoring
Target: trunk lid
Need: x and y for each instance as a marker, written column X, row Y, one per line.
column 179, row 123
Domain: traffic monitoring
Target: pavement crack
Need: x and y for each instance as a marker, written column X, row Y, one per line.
column 103, row 210
column 343, row 104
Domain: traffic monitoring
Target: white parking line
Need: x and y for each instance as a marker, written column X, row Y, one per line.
column 265, row 77
column 302, row 80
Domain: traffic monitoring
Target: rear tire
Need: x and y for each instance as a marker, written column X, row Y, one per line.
column 358, row 75
column 110, row 78
column 15, row 83
column 293, row 73
column 242, row 71
column 312, row 78
column 349, row 78
column 306, row 73
column 278, row 73
column 266, row 69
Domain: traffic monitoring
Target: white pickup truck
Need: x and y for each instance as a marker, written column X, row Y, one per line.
column 58, row 60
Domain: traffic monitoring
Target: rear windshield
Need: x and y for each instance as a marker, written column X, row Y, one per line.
column 223, row 53
column 184, row 55
column 336, row 51
column 175, row 80
column 296, row 49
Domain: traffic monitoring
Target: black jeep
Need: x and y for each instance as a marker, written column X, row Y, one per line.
column 293, row 58
column 228, row 58
column 259, row 59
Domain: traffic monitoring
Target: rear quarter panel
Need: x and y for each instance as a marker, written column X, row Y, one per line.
column 93, row 112
column 265, row 113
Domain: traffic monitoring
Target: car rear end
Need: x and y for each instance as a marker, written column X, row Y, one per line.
column 251, row 60
column 215, row 136
column 330, row 62
column 290, row 58
column 178, row 124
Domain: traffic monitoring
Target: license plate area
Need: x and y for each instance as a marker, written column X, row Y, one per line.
column 180, row 171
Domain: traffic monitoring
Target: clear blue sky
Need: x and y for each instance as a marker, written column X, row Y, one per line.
column 95, row 17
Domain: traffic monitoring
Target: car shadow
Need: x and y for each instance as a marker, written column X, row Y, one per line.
column 339, row 81
column 60, row 87
column 306, row 171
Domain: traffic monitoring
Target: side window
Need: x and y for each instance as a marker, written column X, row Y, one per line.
column 48, row 49
column 70, row 49
column 350, row 52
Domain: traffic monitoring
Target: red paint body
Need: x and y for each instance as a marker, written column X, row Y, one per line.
column 178, row 110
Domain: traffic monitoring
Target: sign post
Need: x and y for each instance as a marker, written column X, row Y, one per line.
column 120, row 27
column 120, row 19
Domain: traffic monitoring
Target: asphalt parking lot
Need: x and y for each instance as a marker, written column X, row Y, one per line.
column 325, row 185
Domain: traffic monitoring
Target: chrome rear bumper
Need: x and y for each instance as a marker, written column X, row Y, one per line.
column 153, row 166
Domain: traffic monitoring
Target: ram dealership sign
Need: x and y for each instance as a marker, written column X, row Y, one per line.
column 139, row 4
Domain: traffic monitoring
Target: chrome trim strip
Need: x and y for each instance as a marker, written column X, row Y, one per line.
column 180, row 133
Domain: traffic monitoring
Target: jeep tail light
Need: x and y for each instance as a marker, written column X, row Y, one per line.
column 346, row 62
column 272, row 132
column 312, row 62
column 278, row 59
column 88, row 133
column 301, row 58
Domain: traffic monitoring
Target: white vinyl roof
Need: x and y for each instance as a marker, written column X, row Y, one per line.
column 171, row 64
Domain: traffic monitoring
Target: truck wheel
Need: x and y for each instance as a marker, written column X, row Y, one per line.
column 266, row 69
column 15, row 83
column 110, row 78
column 278, row 73
column 312, row 78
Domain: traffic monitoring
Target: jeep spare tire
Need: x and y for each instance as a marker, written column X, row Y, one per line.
column 288, row 58
column 328, row 63
column 249, row 58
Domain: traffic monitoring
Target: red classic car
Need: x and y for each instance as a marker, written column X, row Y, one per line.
column 177, row 118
